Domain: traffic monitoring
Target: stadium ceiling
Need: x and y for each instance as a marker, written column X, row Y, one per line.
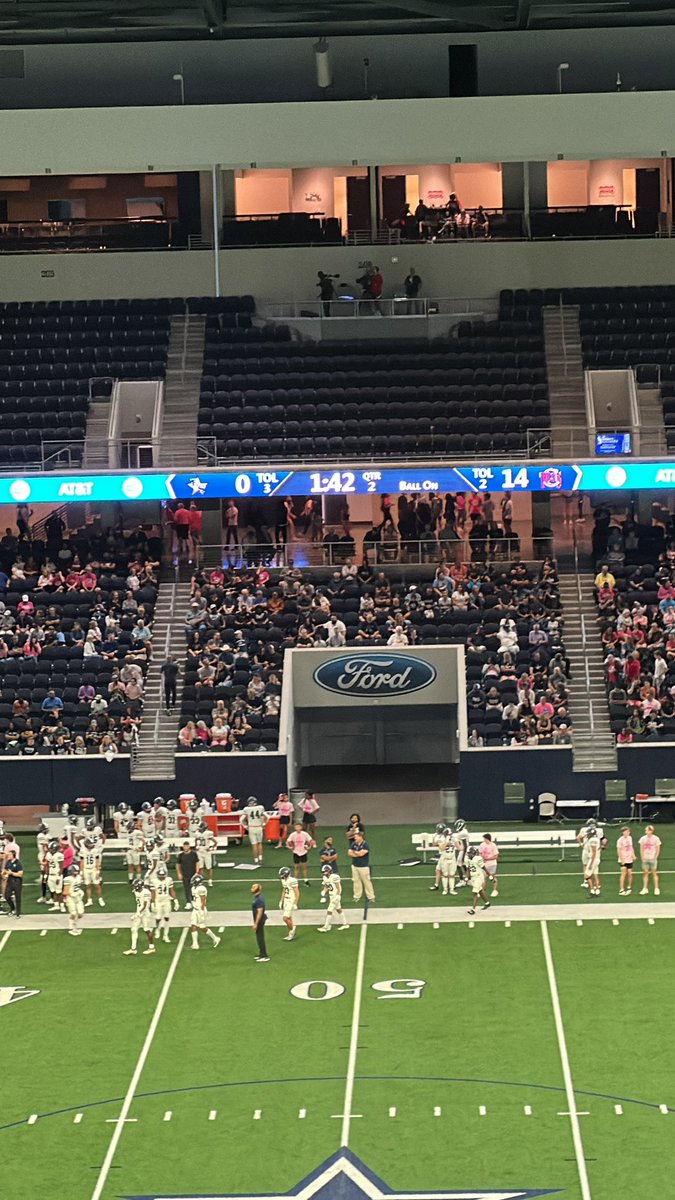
column 69, row 21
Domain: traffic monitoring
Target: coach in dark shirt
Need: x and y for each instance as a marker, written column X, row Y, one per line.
column 186, row 865
column 259, row 920
column 13, row 871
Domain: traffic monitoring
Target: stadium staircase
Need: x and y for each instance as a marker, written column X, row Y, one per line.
column 594, row 748
column 652, row 429
column 178, row 442
column 562, row 345
column 96, row 456
column 155, row 757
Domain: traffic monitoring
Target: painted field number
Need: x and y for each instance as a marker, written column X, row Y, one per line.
column 387, row 989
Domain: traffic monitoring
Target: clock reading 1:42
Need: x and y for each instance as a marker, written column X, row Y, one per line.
column 339, row 482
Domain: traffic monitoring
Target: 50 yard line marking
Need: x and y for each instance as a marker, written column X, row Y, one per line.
column 354, row 1040
column 565, row 1063
column 135, row 1078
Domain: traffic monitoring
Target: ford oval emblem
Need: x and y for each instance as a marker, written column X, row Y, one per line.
column 374, row 674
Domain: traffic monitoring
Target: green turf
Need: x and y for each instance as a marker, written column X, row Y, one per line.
column 233, row 1039
column 526, row 877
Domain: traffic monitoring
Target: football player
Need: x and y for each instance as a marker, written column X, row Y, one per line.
column 200, row 915
column 42, row 840
column 193, row 819
column 121, row 818
column 331, row 886
column 253, row 822
column 590, row 856
column 72, row 831
column 147, row 819
column 446, row 867
column 55, row 875
column 206, row 846
column 142, row 918
column 290, row 897
column 159, row 813
column 136, row 846
column 163, row 896
column 460, row 841
column 73, row 892
column 477, row 878
column 152, row 853
column 90, row 866
column 172, row 825
column 93, row 830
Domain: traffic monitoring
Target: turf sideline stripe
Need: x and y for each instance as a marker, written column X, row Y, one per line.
column 354, row 1040
column 135, row 1079
column 4, row 939
column 565, row 1063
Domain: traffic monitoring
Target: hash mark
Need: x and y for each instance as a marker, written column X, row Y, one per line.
column 168, row 1115
column 392, row 1112
column 77, row 1118
column 663, row 1108
column 257, row 1114
column 618, row 1110
column 437, row 1111
column 528, row 1110
column 213, row 1114
column 482, row 1111
column 32, row 1119
column 302, row 1114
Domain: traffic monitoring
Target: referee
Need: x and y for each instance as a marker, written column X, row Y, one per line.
column 13, row 872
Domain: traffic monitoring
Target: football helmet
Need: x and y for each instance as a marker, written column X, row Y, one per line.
column 42, row 828
column 54, row 845
column 89, row 843
column 194, row 804
column 284, row 872
column 122, row 808
column 459, row 826
column 161, row 872
column 158, row 800
column 149, row 843
column 196, row 881
column 252, row 800
column 171, row 805
column 73, row 871
column 202, row 827
column 325, row 870
column 90, row 823
column 159, row 839
column 146, row 806
column 131, row 824
column 440, row 828
column 137, row 885
column 591, row 831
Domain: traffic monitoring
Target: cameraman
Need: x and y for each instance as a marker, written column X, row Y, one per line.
column 326, row 292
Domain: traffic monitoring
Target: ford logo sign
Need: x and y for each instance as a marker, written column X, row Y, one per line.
column 374, row 674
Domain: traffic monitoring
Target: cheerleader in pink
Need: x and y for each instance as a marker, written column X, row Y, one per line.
column 626, row 855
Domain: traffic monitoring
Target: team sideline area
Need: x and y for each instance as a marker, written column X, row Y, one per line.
column 358, row 1063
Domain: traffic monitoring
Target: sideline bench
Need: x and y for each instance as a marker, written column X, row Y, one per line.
column 543, row 838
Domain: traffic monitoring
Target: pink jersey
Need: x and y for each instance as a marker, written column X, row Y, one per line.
column 299, row 842
column 284, row 807
column 650, row 845
column 488, row 852
column 625, row 850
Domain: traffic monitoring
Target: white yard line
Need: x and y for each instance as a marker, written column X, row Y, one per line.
column 4, row 939
column 565, row 1063
column 354, row 1040
column 142, row 1058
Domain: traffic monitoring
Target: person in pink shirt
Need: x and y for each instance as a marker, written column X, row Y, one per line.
column 626, row 855
column 67, row 852
column 284, row 807
column 490, row 856
column 300, row 843
column 650, row 848
column 309, row 808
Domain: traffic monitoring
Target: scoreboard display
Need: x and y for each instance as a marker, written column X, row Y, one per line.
column 341, row 480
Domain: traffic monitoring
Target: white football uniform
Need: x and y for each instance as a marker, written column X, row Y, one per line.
column 290, row 894
column 143, row 917
column 91, row 865
column 253, row 819
column 199, row 912
column 55, row 871
column 153, row 857
column 460, row 842
column 147, row 820
column 74, row 895
column 42, row 841
column 590, row 859
column 205, row 845
column 96, row 835
column 162, row 889
column 159, row 814
column 477, row 874
column 120, row 822
column 194, row 820
column 332, row 888
column 172, row 826
column 136, row 844
column 447, row 855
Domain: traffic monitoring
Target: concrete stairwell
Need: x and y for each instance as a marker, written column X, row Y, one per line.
column 562, row 344
column 594, row 746
column 178, row 442
column 156, row 754
column 652, row 428
column 96, row 436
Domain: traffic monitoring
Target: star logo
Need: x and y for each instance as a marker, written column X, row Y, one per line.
column 197, row 486
column 11, row 995
column 344, row 1177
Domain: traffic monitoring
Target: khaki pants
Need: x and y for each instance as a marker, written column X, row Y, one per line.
column 362, row 882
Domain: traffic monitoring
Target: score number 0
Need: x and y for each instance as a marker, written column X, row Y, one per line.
column 387, row 989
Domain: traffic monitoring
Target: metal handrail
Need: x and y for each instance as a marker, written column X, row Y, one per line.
column 174, row 452
column 396, row 306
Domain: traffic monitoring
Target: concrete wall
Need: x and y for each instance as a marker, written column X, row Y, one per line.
column 463, row 270
column 468, row 130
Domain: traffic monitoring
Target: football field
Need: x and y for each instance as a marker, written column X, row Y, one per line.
column 424, row 1052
